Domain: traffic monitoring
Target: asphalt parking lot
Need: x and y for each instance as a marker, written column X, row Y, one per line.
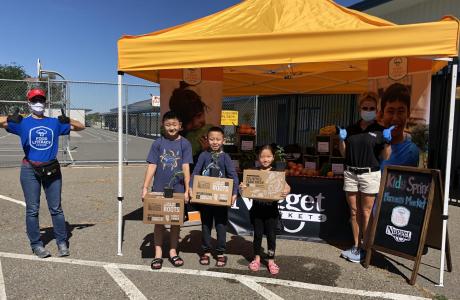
column 94, row 271
column 89, row 145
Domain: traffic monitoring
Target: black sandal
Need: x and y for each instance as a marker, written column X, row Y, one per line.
column 156, row 263
column 222, row 259
column 204, row 260
column 176, row 261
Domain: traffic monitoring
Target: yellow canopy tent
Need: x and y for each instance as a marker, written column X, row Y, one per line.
column 281, row 47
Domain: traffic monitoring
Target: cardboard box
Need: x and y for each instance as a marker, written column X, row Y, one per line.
column 311, row 162
column 324, row 144
column 161, row 210
column 337, row 165
column 212, row 190
column 327, row 145
column 264, row 185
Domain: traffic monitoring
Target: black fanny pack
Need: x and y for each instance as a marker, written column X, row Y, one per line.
column 46, row 170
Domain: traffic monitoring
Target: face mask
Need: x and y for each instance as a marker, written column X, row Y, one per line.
column 37, row 108
column 368, row 115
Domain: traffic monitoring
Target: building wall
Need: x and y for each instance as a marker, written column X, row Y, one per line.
column 420, row 11
column 415, row 11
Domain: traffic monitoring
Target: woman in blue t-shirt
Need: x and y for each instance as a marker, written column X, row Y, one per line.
column 40, row 141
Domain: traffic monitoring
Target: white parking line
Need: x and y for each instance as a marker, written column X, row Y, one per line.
column 2, row 284
column 74, row 134
column 264, row 292
column 125, row 284
column 93, row 135
column 103, row 135
column 13, row 200
column 288, row 283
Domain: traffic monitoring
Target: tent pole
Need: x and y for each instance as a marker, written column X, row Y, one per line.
column 256, row 116
column 450, row 134
column 120, row 162
column 126, row 126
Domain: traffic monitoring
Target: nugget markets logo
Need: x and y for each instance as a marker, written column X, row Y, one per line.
column 303, row 209
column 41, row 138
column 399, row 235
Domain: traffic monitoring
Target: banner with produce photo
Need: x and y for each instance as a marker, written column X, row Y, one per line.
column 196, row 96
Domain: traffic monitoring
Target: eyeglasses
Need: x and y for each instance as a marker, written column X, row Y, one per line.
column 38, row 100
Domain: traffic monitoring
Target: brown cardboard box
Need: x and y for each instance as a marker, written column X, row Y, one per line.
column 264, row 185
column 212, row 190
column 161, row 210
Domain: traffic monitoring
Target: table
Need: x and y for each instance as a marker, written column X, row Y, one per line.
column 316, row 209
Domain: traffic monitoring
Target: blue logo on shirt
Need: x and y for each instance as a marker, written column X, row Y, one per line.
column 41, row 138
column 169, row 159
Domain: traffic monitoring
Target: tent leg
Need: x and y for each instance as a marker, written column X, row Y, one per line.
column 256, row 117
column 120, row 163
column 448, row 170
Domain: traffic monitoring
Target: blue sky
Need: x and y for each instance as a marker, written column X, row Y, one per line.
column 78, row 38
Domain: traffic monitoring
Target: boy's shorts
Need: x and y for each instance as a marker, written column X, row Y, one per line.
column 368, row 183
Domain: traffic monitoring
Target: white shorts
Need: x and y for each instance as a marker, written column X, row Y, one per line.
column 368, row 183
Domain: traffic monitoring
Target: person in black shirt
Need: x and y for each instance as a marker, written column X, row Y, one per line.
column 363, row 145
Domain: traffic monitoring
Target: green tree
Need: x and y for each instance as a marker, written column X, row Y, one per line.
column 12, row 90
column 13, row 71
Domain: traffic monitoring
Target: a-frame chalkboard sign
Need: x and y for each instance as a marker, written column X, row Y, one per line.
column 403, row 214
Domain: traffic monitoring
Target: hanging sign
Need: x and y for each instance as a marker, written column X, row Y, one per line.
column 229, row 117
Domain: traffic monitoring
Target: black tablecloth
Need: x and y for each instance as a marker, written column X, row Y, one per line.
column 316, row 208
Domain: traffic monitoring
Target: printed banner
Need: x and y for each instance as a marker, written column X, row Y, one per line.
column 315, row 209
column 196, row 96
column 402, row 87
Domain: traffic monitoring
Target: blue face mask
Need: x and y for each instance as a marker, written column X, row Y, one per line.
column 368, row 115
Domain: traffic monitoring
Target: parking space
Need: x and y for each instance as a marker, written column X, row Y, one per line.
column 308, row 270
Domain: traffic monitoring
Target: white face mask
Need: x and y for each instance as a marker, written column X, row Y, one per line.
column 37, row 108
column 368, row 115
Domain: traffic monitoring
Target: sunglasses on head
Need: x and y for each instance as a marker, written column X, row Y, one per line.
column 38, row 100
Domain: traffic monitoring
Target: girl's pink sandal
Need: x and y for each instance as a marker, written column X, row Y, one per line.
column 254, row 266
column 273, row 268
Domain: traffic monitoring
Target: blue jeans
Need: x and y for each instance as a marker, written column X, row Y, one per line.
column 31, row 186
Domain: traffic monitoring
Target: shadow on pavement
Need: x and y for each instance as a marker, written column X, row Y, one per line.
column 295, row 268
column 47, row 234
column 237, row 245
column 384, row 262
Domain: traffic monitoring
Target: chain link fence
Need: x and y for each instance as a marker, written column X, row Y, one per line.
column 95, row 105
column 285, row 119
column 247, row 114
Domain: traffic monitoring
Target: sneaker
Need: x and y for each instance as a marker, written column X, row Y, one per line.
column 357, row 255
column 63, row 250
column 347, row 252
column 41, row 252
